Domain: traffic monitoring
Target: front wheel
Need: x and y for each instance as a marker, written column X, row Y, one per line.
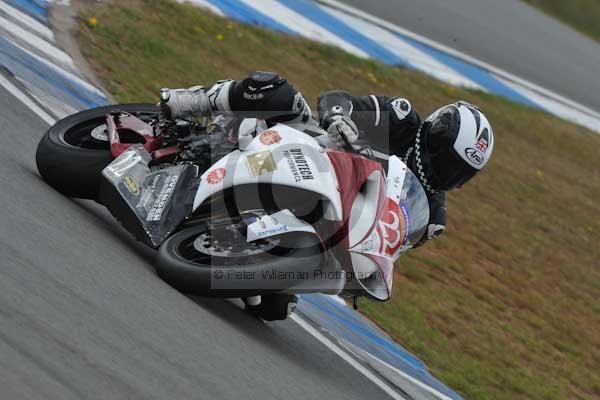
column 216, row 261
column 75, row 150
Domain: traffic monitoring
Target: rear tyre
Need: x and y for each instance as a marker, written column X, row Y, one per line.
column 71, row 159
column 195, row 262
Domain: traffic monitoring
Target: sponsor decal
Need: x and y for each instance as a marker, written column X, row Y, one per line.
column 158, row 207
column 482, row 145
column 144, row 198
column 147, row 193
column 298, row 165
column 401, row 107
column 337, row 109
column 252, row 96
column 131, row 185
column 261, row 163
column 270, row 137
column 392, row 228
column 474, row 155
column 273, row 231
column 216, row 176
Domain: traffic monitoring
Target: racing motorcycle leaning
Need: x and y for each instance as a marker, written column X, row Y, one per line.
column 239, row 209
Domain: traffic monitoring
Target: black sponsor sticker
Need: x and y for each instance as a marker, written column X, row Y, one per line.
column 162, row 199
column 298, row 165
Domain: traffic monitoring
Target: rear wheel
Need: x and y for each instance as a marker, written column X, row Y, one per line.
column 211, row 260
column 74, row 151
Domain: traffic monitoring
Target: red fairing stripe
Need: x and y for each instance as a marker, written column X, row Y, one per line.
column 351, row 171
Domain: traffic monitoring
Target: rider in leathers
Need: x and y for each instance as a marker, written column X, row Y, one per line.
column 444, row 151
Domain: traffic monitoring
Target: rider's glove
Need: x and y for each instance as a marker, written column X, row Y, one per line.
column 434, row 230
column 184, row 103
column 339, row 124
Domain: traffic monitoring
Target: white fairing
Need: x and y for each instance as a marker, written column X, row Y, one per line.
column 386, row 238
column 395, row 179
column 370, row 277
column 282, row 156
column 364, row 209
column 475, row 142
column 383, row 240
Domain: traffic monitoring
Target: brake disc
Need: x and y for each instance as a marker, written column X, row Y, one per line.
column 206, row 244
column 100, row 133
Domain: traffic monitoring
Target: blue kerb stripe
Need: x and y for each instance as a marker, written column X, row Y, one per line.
column 342, row 321
column 38, row 74
column 33, row 8
column 368, row 333
column 474, row 73
column 244, row 13
column 316, row 14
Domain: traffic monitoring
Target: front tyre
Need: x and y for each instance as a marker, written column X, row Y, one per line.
column 75, row 150
column 218, row 261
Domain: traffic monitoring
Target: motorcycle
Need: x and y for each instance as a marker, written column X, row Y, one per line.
column 280, row 214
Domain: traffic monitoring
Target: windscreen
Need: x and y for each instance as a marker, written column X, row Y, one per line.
column 414, row 201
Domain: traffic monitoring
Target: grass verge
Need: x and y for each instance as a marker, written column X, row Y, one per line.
column 581, row 15
column 503, row 306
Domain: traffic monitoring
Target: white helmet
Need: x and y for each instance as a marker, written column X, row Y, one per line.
column 452, row 146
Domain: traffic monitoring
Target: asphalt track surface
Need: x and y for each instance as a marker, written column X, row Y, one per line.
column 83, row 315
column 507, row 34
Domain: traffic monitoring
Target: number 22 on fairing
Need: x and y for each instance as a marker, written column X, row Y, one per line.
column 392, row 228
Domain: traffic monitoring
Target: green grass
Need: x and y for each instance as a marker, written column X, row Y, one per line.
column 582, row 15
column 506, row 304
